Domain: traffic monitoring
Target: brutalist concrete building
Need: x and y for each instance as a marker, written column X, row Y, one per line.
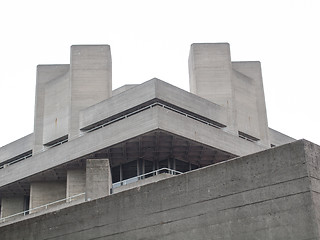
column 152, row 161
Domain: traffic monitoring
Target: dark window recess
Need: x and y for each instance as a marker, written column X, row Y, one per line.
column 18, row 158
column 57, row 141
column 248, row 137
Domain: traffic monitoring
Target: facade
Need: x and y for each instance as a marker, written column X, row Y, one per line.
column 92, row 144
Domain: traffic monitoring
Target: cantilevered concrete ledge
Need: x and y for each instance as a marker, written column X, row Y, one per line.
column 16, row 148
column 155, row 118
column 272, row 194
column 145, row 93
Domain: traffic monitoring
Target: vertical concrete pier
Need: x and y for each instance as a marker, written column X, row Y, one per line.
column 42, row 193
column 91, row 80
column 76, row 183
column 210, row 76
column 98, row 178
column 45, row 73
column 12, row 205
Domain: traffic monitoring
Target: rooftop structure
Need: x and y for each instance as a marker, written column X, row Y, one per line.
column 90, row 141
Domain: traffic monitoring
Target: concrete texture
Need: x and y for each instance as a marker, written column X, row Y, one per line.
column 250, row 103
column 76, row 183
column 146, row 121
column 12, row 205
column 98, row 178
column 56, row 109
column 267, row 195
column 142, row 182
column 16, row 148
column 45, row 73
column 210, row 76
column 278, row 138
column 42, row 193
column 145, row 94
column 91, row 80
column 123, row 89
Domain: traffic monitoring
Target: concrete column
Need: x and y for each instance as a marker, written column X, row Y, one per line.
column 91, row 80
column 42, row 193
column 76, row 184
column 98, row 178
column 210, row 76
column 11, row 205
column 45, row 73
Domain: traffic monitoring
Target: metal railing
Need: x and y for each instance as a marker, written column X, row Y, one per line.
column 144, row 176
column 210, row 123
column 43, row 207
column 186, row 114
column 15, row 161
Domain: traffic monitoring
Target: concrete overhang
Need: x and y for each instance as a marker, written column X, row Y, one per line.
column 147, row 93
column 151, row 119
column 16, row 148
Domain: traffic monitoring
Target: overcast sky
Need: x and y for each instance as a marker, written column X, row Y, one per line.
column 152, row 39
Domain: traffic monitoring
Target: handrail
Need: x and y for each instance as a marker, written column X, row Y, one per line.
column 15, row 161
column 45, row 206
column 143, row 176
column 192, row 116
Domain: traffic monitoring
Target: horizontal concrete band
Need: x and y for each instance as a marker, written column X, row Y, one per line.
column 147, row 92
column 266, row 195
column 156, row 118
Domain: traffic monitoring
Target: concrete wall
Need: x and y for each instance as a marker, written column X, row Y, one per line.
column 45, row 73
column 250, row 103
column 76, row 183
column 278, row 138
column 42, row 193
column 123, row 89
column 210, row 76
column 12, row 205
column 56, row 109
column 16, row 148
column 147, row 92
column 91, row 80
column 98, row 178
column 268, row 195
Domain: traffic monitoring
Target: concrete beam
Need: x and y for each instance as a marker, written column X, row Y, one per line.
column 98, row 178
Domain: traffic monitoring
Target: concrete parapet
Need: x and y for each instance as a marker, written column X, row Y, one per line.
column 12, row 205
column 16, row 148
column 267, row 195
column 98, row 178
column 76, row 183
column 42, row 193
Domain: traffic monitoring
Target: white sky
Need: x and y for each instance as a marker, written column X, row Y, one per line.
column 152, row 39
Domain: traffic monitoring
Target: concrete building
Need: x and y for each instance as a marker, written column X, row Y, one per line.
column 152, row 161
